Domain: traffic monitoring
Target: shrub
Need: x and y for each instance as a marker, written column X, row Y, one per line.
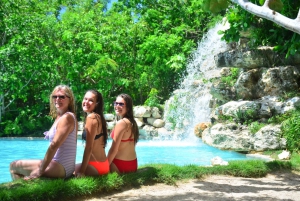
column 255, row 126
column 291, row 131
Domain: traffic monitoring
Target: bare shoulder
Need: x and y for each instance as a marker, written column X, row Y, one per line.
column 122, row 123
column 68, row 117
column 92, row 119
column 68, row 120
column 126, row 120
column 92, row 115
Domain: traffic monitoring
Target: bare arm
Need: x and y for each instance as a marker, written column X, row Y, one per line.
column 91, row 131
column 119, row 131
column 63, row 129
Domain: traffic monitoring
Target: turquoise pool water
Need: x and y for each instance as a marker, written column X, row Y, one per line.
column 171, row 152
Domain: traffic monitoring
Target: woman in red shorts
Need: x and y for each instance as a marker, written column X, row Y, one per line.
column 122, row 155
column 94, row 161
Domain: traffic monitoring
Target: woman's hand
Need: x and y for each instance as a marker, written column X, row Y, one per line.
column 80, row 175
column 34, row 174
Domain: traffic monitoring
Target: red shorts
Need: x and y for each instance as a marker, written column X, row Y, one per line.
column 126, row 166
column 101, row 167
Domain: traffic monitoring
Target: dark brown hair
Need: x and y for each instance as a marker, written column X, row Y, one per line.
column 99, row 110
column 129, row 115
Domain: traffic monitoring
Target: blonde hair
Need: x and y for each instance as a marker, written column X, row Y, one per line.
column 69, row 93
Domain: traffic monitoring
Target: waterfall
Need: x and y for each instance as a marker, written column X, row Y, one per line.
column 189, row 105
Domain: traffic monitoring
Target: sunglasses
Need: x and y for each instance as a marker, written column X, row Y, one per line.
column 59, row 97
column 119, row 103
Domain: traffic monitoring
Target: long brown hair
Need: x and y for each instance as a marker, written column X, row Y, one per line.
column 129, row 115
column 99, row 110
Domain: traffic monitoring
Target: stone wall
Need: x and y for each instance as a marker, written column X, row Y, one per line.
column 265, row 78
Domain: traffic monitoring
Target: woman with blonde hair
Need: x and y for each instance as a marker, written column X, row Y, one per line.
column 59, row 160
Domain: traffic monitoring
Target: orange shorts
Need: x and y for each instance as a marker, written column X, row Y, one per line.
column 101, row 167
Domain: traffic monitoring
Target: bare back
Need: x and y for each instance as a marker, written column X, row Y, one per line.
column 94, row 126
column 124, row 138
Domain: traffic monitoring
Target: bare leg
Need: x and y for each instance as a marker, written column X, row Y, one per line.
column 22, row 168
column 27, row 168
column 113, row 168
column 89, row 171
column 55, row 170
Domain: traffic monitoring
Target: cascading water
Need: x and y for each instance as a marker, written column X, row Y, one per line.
column 189, row 105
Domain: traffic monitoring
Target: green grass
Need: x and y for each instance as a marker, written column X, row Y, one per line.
column 295, row 161
column 59, row 189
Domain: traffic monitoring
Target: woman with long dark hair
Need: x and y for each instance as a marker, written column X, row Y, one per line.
column 122, row 155
column 94, row 162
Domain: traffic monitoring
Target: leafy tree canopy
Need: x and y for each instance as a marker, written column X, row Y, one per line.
column 138, row 47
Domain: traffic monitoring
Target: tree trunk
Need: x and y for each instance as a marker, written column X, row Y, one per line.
column 266, row 13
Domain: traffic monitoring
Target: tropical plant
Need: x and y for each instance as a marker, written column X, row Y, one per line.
column 255, row 126
column 231, row 79
column 291, row 131
column 153, row 100
column 245, row 116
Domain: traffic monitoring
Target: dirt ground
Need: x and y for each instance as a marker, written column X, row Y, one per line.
column 283, row 186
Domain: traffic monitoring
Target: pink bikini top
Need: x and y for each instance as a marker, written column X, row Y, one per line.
column 127, row 140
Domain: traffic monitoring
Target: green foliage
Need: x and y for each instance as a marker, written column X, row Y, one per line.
column 12, row 127
column 252, row 168
column 277, row 165
column 132, row 48
column 276, row 5
column 291, row 131
column 279, row 118
column 290, row 94
column 290, row 128
column 255, row 126
column 225, row 118
column 262, row 32
column 59, row 189
column 295, row 161
column 231, row 79
column 215, row 6
column 177, row 62
column 153, row 99
column 245, row 116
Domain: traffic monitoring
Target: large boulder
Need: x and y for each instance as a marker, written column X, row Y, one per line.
column 257, row 83
column 239, row 138
column 260, row 57
column 142, row 111
column 268, row 138
column 228, row 137
column 158, row 123
column 155, row 113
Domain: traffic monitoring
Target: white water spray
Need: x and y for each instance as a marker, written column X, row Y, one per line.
column 189, row 105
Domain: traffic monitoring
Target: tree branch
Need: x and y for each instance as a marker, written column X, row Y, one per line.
column 20, row 89
column 266, row 13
